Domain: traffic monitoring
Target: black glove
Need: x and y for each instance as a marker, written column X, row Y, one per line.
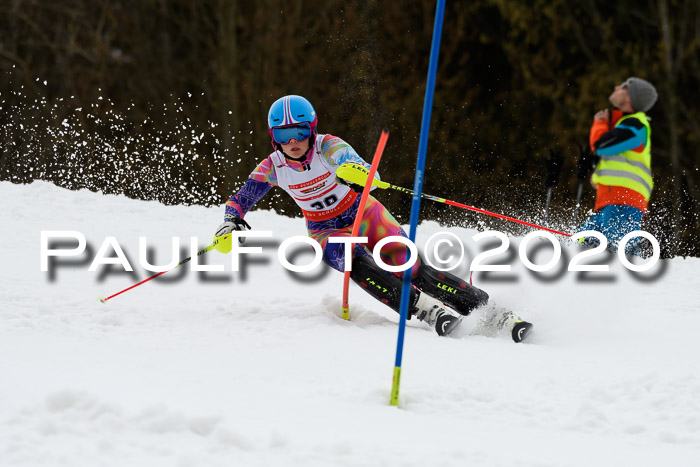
column 353, row 186
column 234, row 224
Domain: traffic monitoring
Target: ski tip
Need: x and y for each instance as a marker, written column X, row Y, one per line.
column 446, row 323
column 521, row 330
column 101, row 300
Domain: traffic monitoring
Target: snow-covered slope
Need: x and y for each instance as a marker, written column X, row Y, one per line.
column 258, row 368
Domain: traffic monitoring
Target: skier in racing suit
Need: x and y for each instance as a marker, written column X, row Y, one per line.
column 303, row 164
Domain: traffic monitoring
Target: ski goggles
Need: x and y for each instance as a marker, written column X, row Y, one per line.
column 282, row 135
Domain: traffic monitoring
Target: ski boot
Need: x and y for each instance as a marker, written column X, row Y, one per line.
column 519, row 329
column 436, row 314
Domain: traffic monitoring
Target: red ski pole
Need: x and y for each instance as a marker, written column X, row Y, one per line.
column 200, row 252
column 355, row 173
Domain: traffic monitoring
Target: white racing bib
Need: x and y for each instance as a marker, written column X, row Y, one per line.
column 315, row 190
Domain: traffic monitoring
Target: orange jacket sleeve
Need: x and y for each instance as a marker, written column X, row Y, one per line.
column 598, row 129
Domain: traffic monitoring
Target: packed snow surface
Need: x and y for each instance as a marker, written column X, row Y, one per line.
column 257, row 368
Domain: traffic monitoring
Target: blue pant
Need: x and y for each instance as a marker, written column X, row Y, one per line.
column 614, row 221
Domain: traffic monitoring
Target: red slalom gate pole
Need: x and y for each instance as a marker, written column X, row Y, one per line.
column 360, row 212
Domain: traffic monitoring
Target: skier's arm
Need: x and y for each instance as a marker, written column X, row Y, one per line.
column 258, row 184
column 630, row 134
column 338, row 152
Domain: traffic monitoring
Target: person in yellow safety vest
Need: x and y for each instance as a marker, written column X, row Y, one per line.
column 622, row 176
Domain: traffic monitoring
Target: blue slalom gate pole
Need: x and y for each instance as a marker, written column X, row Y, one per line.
column 417, row 191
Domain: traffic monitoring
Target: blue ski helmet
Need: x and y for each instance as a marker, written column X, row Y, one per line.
column 291, row 117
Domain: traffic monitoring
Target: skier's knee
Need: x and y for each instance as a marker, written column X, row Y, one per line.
column 381, row 285
column 450, row 289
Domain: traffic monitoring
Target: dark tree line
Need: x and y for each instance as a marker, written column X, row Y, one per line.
column 167, row 99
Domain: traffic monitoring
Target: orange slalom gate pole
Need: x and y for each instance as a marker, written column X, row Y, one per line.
column 360, row 212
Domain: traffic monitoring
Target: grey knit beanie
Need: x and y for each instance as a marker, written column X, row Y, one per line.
column 642, row 94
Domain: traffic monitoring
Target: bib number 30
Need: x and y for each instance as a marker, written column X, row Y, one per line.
column 328, row 201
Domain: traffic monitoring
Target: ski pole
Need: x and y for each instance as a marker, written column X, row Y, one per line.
column 199, row 253
column 578, row 198
column 547, row 203
column 586, row 161
column 553, row 171
column 356, row 173
column 358, row 218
